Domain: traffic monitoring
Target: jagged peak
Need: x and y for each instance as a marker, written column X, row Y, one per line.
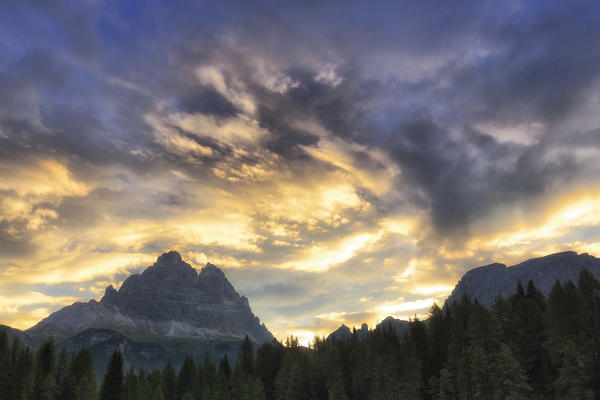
column 343, row 328
column 212, row 270
column 109, row 293
column 110, row 290
column 169, row 258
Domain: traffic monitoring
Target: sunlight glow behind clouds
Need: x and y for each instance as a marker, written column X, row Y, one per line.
column 336, row 170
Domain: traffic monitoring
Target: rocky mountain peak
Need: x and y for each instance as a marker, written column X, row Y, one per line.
column 169, row 267
column 170, row 299
column 110, row 293
column 170, row 258
column 211, row 270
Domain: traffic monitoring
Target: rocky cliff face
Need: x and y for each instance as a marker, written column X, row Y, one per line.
column 490, row 281
column 169, row 299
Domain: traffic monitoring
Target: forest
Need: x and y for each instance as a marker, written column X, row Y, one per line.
column 527, row 346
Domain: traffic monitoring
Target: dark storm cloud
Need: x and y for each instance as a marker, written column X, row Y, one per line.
column 542, row 67
column 206, row 100
column 466, row 177
column 77, row 82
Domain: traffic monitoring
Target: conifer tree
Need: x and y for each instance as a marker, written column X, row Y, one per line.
column 169, row 382
column 155, row 379
column 335, row 386
column 157, row 394
column 508, row 377
column 186, row 379
column 62, row 367
column 131, row 385
column 480, row 373
column 268, row 362
column 247, row 356
column 112, row 385
column 296, row 389
column 5, row 365
column 410, row 382
column 437, row 340
column 528, row 336
column 573, row 378
column 224, row 367
column 589, row 288
column 447, row 386
column 82, row 376
column 418, row 341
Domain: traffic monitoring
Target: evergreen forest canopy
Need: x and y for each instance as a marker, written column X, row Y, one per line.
column 523, row 347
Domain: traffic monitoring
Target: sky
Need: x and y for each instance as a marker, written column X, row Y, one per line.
column 341, row 161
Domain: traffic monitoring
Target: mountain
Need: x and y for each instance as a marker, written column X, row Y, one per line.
column 345, row 333
column 102, row 343
column 23, row 337
column 167, row 312
column 490, row 281
column 169, row 299
column 398, row 325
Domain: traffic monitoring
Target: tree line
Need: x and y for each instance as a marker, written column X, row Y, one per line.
column 526, row 346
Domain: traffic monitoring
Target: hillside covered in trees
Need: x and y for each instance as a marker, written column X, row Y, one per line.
column 523, row 347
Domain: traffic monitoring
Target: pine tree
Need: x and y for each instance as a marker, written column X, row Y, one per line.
column 335, row 386
column 437, row 340
column 155, row 380
column 44, row 386
column 508, row 377
column 224, row 367
column 418, row 341
column 411, row 385
column 131, row 385
column 169, row 382
column 528, row 337
column 23, row 377
column 480, row 373
column 157, row 394
column 5, row 365
column 112, row 385
column 573, row 378
column 49, row 388
column 253, row 390
column 296, row 389
column 144, row 387
column 62, row 367
column 589, row 288
column 268, row 362
column 186, row 379
column 447, row 386
column 82, row 376
column 247, row 356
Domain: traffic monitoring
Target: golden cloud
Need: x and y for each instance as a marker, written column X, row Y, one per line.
column 27, row 187
column 13, row 314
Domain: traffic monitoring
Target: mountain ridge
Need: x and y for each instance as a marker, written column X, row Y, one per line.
column 168, row 298
column 487, row 282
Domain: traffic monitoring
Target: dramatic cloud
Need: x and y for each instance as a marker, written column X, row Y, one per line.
column 341, row 161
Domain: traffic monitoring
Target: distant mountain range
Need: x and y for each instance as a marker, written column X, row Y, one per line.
column 169, row 311
column 486, row 283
